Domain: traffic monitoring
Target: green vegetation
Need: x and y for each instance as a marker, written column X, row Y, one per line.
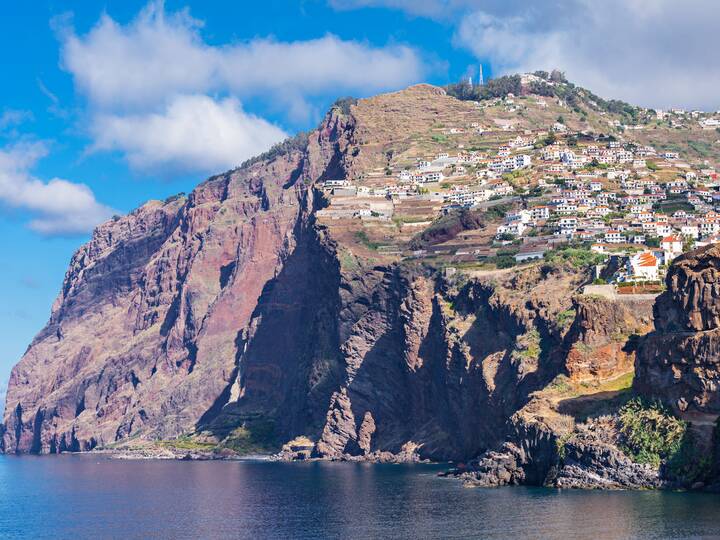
column 674, row 203
column 173, row 198
column 497, row 212
column 344, row 104
column 298, row 143
column 578, row 257
column 494, row 88
column 649, row 431
column 348, row 260
column 566, row 318
column 651, row 434
column 362, row 237
column 560, row 384
column 560, row 443
column 702, row 148
column 528, row 346
column 256, row 436
column 187, row 442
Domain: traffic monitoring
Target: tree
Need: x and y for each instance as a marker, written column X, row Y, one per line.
column 557, row 76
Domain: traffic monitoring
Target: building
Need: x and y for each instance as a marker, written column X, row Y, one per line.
column 614, row 237
column 672, row 246
column 643, row 266
column 540, row 212
column 530, row 254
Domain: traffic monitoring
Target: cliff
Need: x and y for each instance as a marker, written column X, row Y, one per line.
column 251, row 316
column 680, row 361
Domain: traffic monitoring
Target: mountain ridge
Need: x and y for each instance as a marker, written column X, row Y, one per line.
column 258, row 313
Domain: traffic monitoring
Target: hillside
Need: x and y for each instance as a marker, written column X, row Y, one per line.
column 407, row 281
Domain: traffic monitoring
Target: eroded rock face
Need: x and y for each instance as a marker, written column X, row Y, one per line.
column 680, row 362
column 603, row 336
column 157, row 309
column 234, row 306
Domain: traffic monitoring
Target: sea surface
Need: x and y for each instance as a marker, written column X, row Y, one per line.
column 85, row 496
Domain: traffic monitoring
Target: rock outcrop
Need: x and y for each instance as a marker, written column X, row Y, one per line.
column 679, row 362
column 240, row 319
column 604, row 335
column 234, row 314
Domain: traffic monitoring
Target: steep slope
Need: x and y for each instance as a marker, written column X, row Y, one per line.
column 245, row 317
column 680, row 362
column 147, row 330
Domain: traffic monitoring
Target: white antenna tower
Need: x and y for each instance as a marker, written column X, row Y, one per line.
column 480, row 77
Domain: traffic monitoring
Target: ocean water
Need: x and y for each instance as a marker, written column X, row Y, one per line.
column 96, row 497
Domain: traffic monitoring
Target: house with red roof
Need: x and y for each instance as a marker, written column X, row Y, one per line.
column 672, row 246
column 643, row 266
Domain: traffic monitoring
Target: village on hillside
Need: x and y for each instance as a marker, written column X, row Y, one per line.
column 553, row 190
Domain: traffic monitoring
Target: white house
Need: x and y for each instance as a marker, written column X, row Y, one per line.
column 614, row 237
column 540, row 212
column 672, row 246
column 690, row 231
column 643, row 266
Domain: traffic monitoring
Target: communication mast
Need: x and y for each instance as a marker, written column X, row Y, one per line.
column 480, row 77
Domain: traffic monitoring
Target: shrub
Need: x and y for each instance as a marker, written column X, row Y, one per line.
column 345, row 103
column 362, row 237
column 565, row 318
column 649, row 432
column 577, row 257
column 505, row 261
column 298, row 143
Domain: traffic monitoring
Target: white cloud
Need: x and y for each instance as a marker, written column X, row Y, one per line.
column 161, row 54
column 144, row 77
column 656, row 53
column 58, row 206
column 193, row 133
column 13, row 117
column 423, row 8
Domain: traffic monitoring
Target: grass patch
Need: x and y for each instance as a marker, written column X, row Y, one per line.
column 362, row 237
column 187, row 442
column 253, row 437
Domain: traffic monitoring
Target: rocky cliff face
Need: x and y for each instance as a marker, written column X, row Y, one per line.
column 680, row 361
column 156, row 311
column 604, row 335
column 236, row 313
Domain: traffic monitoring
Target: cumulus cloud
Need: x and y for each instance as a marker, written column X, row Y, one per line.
column 147, row 75
column 161, row 54
column 59, row 206
column 193, row 133
column 656, row 53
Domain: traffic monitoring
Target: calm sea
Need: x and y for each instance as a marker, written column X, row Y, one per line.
column 95, row 497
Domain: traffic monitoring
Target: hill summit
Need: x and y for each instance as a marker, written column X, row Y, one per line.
column 451, row 274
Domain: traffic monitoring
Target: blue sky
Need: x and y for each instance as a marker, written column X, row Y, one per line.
column 106, row 105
